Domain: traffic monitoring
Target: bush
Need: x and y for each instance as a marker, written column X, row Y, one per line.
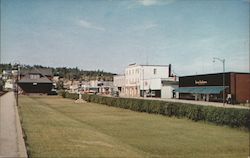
column 221, row 116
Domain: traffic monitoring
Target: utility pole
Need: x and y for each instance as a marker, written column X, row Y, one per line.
column 142, row 82
column 223, row 62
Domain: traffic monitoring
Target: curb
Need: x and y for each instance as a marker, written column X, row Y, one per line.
column 22, row 152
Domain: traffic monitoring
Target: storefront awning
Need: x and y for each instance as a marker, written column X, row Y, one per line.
column 201, row 90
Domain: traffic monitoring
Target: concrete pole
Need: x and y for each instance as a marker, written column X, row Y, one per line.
column 223, row 61
column 142, row 82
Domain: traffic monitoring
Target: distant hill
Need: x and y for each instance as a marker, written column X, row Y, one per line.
column 67, row 73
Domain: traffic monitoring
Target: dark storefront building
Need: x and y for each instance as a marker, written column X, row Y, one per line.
column 209, row 87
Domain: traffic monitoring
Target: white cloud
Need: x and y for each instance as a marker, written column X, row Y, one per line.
column 147, row 2
column 145, row 27
column 89, row 25
column 150, row 26
column 154, row 2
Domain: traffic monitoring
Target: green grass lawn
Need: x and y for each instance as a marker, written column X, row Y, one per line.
column 58, row 127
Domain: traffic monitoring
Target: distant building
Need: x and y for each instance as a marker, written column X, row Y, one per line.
column 105, row 87
column 119, row 83
column 209, row 87
column 147, row 81
column 7, row 74
column 36, row 81
column 95, row 86
column 9, row 84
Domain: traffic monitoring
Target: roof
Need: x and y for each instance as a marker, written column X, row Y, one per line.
column 135, row 65
column 42, row 71
column 156, row 65
column 119, row 75
column 26, row 79
column 216, row 73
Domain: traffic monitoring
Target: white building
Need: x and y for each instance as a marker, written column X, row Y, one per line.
column 9, row 84
column 95, row 86
column 148, row 80
column 119, row 83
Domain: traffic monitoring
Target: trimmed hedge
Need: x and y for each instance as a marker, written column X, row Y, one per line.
column 221, row 116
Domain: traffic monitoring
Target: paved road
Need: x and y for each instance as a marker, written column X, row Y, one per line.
column 11, row 138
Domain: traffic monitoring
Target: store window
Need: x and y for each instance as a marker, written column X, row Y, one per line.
column 155, row 71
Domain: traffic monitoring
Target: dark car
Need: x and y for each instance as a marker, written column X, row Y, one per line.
column 52, row 92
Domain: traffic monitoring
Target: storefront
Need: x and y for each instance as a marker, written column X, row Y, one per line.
column 209, row 87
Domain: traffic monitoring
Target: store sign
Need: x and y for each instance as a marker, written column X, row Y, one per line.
column 200, row 82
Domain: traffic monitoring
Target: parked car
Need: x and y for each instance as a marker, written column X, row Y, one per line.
column 115, row 93
column 53, row 92
column 151, row 94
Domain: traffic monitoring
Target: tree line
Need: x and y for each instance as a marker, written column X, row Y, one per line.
column 66, row 73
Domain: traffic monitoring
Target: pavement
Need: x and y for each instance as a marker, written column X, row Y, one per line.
column 11, row 137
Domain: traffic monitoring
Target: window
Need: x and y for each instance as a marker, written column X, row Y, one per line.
column 155, row 71
column 34, row 76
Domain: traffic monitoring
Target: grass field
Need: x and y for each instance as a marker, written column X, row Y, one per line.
column 57, row 127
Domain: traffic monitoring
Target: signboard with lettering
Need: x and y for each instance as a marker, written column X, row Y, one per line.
column 204, row 80
column 200, row 82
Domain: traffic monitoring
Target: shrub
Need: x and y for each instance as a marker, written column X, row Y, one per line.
column 221, row 116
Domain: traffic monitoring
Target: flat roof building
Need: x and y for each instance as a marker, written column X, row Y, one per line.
column 146, row 81
column 209, row 87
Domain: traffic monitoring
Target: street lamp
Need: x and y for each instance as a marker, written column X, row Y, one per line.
column 17, row 63
column 142, row 82
column 223, row 62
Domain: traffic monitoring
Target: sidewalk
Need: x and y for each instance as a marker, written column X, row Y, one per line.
column 11, row 138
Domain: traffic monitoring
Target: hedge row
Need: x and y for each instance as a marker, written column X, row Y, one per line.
column 221, row 116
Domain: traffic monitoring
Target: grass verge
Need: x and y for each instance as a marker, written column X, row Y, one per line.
column 57, row 127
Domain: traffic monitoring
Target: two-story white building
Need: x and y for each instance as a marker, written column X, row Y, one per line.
column 148, row 80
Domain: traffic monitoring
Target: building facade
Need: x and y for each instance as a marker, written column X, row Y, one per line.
column 146, row 81
column 209, row 87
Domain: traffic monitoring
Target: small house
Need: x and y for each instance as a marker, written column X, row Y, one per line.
column 36, row 81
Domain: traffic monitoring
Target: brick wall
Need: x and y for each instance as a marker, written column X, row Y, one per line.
column 242, row 85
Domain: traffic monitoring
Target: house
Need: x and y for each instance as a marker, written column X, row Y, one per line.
column 67, row 84
column 74, row 87
column 7, row 74
column 9, row 84
column 36, row 81
column 147, row 81
column 105, row 87
column 95, row 86
column 209, row 87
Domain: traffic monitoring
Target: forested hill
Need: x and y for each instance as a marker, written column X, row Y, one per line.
column 67, row 73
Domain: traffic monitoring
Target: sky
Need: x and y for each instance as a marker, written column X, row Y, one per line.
column 111, row 34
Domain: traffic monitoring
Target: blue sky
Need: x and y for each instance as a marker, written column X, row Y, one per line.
column 110, row 34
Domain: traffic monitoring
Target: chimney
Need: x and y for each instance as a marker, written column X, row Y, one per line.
column 169, row 71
